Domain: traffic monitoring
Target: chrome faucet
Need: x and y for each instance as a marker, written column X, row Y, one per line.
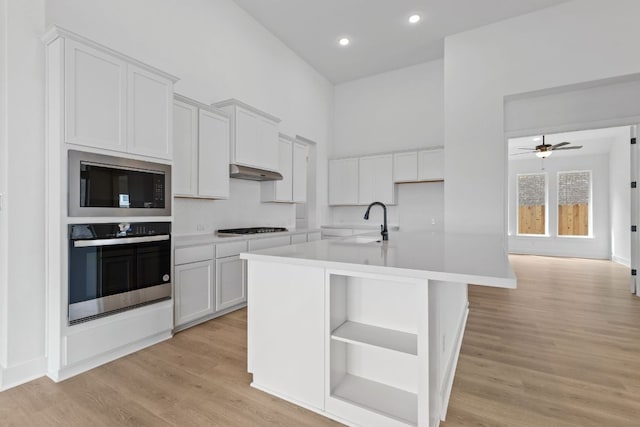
column 384, row 231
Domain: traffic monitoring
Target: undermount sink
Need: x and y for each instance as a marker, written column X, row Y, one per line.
column 362, row 239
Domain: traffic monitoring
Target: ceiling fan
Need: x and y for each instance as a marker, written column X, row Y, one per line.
column 545, row 150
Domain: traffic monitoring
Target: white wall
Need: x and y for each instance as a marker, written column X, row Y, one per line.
column 597, row 246
column 242, row 209
column 398, row 110
column 219, row 52
column 393, row 111
column 620, row 198
column 22, row 287
column 420, row 206
column 583, row 40
column 3, row 188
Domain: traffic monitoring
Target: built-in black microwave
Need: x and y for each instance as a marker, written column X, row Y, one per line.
column 108, row 186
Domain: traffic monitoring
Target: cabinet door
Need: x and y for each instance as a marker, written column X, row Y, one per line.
column 284, row 188
column 213, row 158
column 299, row 172
column 95, row 98
column 298, row 238
column 431, row 165
column 375, row 180
column 247, row 137
column 231, row 286
column 193, row 291
column 185, row 140
column 405, row 167
column 268, row 144
column 312, row 237
column 343, row 182
column 150, row 100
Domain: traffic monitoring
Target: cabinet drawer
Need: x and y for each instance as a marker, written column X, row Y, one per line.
column 193, row 254
column 312, row 237
column 298, row 238
column 230, row 249
column 270, row 242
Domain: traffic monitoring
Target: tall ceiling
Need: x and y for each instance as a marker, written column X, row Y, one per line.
column 381, row 37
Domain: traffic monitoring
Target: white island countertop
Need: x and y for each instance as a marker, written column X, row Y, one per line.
column 479, row 259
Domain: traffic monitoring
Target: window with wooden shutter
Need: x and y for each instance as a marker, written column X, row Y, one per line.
column 532, row 204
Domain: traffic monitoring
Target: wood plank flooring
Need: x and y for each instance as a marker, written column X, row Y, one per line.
column 561, row 350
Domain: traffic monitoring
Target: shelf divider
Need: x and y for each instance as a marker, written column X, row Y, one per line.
column 375, row 336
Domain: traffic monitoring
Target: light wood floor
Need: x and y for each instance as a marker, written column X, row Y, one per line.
column 562, row 349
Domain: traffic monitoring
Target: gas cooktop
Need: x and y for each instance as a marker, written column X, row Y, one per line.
column 251, row 230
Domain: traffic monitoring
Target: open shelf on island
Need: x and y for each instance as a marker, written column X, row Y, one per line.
column 392, row 402
column 375, row 336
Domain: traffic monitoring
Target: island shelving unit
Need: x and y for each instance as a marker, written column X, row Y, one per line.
column 367, row 332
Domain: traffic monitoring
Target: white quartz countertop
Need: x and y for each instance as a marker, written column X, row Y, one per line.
column 468, row 258
column 181, row 240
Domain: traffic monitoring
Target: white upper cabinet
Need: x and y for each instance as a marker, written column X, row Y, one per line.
column 185, row 140
column 343, row 182
column 112, row 101
column 149, row 113
column 300, row 156
column 284, row 188
column 201, row 161
column 213, row 158
column 375, row 179
column 431, row 165
column 405, row 167
column 254, row 135
column 416, row 166
column 95, row 97
column 292, row 164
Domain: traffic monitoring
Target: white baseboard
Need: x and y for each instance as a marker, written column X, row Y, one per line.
column 620, row 260
column 23, row 373
column 70, row 371
column 451, row 369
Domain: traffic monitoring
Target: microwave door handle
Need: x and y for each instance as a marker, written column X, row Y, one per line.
column 120, row 241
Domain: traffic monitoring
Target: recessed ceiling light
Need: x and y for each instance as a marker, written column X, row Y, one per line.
column 344, row 41
column 414, row 19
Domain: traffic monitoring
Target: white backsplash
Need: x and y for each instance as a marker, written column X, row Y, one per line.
column 242, row 209
column 420, row 206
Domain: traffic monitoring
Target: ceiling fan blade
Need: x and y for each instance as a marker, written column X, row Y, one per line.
column 561, row 144
column 528, row 149
column 575, row 147
column 520, row 154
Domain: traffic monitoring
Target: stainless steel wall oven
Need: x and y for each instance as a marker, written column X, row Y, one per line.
column 106, row 186
column 113, row 267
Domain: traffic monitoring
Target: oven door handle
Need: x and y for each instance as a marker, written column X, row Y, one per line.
column 120, row 241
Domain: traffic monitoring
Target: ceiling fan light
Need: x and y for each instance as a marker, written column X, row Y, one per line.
column 543, row 154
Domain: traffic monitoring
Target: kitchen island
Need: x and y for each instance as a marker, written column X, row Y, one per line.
column 364, row 331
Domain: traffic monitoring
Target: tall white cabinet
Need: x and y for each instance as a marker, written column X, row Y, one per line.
column 201, row 139
column 114, row 103
column 100, row 101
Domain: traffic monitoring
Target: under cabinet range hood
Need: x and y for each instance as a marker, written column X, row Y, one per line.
column 253, row 174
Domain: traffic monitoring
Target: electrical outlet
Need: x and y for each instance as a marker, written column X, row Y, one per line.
column 433, row 221
column 200, row 227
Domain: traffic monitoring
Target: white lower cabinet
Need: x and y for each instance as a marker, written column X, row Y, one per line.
column 231, row 286
column 194, row 296
column 194, row 275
